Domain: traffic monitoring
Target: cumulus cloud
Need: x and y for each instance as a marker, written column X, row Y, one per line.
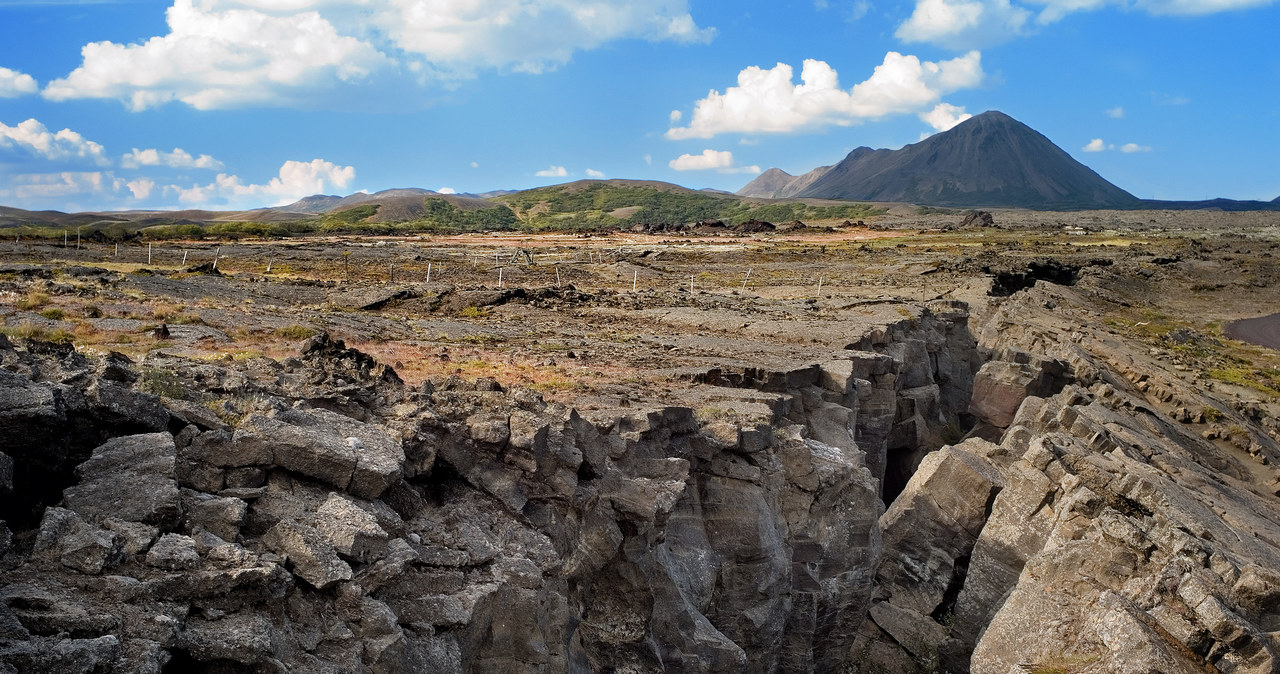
column 234, row 53
column 768, row 101
column 592, row 173
column 709, row 159
column 66, row 145
column 179, row 158
column 1096, row 145
column 219, row 59
column 525, row 35
column 719, row 160
column 1129, row 148
column 447, row 190
column 14, row 84
column 553, row 172
column 141, row 188
column 963, row 24
column 1116, row 113
column 944, row 116
column 296, row 179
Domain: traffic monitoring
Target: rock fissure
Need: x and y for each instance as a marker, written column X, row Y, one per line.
column 911, row 502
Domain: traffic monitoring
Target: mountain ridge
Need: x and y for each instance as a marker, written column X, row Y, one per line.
column 989, row 160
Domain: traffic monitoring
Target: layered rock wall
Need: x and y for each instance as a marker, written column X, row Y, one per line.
column 322, row 516
column 315, row 514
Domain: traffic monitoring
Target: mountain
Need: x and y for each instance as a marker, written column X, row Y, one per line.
column 316, row 203
column 988, row 160
column 778, row 184
column 771, row 184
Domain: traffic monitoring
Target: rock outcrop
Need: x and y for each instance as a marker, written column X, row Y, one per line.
column 317, row 514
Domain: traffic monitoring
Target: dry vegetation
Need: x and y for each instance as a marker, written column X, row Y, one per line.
column 564, row 319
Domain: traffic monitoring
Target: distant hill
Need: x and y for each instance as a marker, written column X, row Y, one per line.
column 316, row 203
column 988, row 160
column 394, row 205
column 1210, row 204
column 778, row 184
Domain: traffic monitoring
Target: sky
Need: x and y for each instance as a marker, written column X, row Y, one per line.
column 236, row 104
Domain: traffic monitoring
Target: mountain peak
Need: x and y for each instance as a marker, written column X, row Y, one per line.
column 990, row 159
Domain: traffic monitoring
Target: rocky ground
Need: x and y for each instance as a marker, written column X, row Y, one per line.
column 911, row 447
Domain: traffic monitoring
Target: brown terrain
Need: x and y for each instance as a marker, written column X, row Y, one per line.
column 918, row 446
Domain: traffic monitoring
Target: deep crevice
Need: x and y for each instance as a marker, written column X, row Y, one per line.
column 942, row 614
column 1009, row 282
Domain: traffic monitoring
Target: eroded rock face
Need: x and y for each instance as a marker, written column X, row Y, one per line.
column 809, row 516
column 477, row 529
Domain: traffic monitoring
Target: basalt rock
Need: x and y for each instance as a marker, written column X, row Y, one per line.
column 818, row 515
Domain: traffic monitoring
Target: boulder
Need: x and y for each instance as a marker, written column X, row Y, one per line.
column 174, row 552
column 312, row 557
column 352, row 531
column 1001, row 385
column 120, row 407
column 359, row 457
column 934, row 522
column 69, row 540
column 244, row 638
column 221, row 516
column 129, row 478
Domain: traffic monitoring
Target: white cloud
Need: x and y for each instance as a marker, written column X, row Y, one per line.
column 141, row 187
column 944, row 116
column 1096, row 145
column 648, row 160
column 719, row 160
column 14, row 84
column 709, row 159
column 1116, row 113
column 447, row 190
column 767, row 101
column 676, row 115
column 179, row 158
column 295, row 180
column 459, row 36
column 219, row 59
column 553, row 172
column 974, row 24
column 475, row 164
column 1056, row 9
column 963, row 24
column 232, row 53
column 65, row 145
column 35, row 187
column 592, row 173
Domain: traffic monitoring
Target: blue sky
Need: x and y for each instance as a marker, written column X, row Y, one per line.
column 248, row 103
